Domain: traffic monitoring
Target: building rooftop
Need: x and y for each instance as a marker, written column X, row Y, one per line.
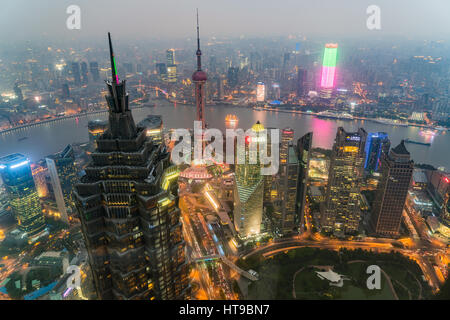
column 400, row 149
column 419, row 176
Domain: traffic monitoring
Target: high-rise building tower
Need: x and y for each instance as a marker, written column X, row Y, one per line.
column 287, row 136
column 84, row 72
column 287, row 192
column 249, row 186
column 396, row 170
column 260, row 92
column 304, row 145
column 341, row 213
column 18, row 92
column 199, row 78
column 301, row 82
column 131, row 225
column 65, row 91
column 377, row 144
column 23, row 197
column 233, row 77
column 329, row 66
column 63, row 176
column 94, row 71
column 76, row 73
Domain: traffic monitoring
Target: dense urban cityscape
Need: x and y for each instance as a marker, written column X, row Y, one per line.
column 102, row 198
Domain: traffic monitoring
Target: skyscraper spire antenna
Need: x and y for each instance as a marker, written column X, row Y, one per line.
column 115, row 77
column 199, row 52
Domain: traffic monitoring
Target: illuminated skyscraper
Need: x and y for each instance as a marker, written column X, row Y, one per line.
column 287, row 192
column 287, row 136
column 329, row 66
column 171, row 66
column 23, row 197
column 63, row 176
column 249, row 186
column 341, row 213
column 260, row 92
column 131, row 225
column 396, row 171
column 199, row 78
column 304, row 145
column 376, row 144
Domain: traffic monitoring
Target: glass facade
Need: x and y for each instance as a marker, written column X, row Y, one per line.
column 23, row 196
column 341, row 214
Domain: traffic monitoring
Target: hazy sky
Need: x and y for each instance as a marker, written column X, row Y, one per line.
column 144, row 19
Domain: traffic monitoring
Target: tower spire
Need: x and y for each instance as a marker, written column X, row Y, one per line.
column 115, row 77
column 199, row 52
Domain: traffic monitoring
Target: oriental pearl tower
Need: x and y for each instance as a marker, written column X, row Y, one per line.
column 199, row 78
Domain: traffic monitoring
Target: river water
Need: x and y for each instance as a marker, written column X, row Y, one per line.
column 51, row 137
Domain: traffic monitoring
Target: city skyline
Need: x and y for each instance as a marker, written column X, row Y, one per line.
column 402, row 18
column 335, row 183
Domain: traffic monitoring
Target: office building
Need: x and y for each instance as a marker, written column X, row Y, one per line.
column 84, row 72
column 396, row 171
column 377, row 144
column 76, row 73
column 154, row 126
column 93, row 66
column 304, row 145
column 341, row 213
column 260, row 92
column 249, row 186
column 63, row 177
column 23, row 197
column 301, row 82
column 131, row 225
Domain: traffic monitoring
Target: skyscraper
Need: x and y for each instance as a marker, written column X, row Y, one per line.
column 84, row 72
column 76, row 73
column 171, row 66
column 249, row 186
column 304, row 145
column 94, row 71
column 396, row 171
column 65, row 91
column 18, row 92
column 287, row 136
column 131, row 225
column 154, row 126
column 287, row 192
column 329, row 66
column 260, row 92
column 232, row 77
column 63, row 176
column 301, row 82
column 23, row 197
column 199, row 77
column 377, row 144
column 341, row 213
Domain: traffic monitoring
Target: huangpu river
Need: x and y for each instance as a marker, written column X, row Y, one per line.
column 48, row 138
